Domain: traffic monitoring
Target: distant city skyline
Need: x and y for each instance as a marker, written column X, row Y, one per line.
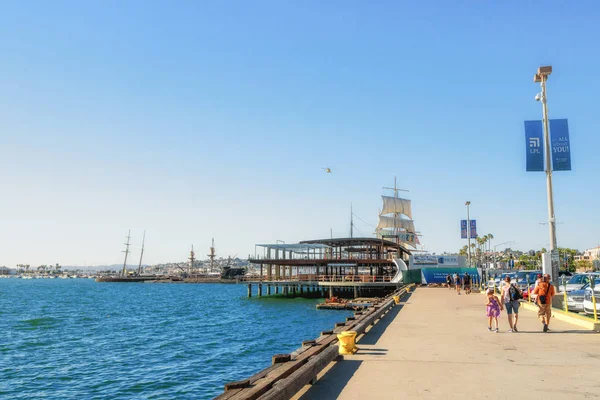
column 205, row 120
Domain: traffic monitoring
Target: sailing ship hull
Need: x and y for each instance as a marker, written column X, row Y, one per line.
column 128, row 278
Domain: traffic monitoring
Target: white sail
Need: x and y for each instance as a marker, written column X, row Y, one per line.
column 396, row 223
column 396, row 206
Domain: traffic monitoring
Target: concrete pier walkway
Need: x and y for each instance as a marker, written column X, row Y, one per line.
column 437, row 346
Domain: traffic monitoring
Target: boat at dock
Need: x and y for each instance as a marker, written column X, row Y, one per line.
column 130, row 276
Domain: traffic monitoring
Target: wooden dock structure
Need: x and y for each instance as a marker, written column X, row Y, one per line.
column 319, row 289
column 289, row 373
column 342, row 267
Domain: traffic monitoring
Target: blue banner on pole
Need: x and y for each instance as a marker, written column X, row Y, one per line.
column 533, row 145
column 473, row 229
column 561, row 151
column 463, row 229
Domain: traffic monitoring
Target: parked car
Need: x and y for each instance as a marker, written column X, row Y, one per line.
column 575, row 299
column 526, row 280
column 497, row 281
column 577, row 282
column 527, row 293
column 588, row 305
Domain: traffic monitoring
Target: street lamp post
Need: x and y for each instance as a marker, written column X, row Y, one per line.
column 500, row 244
column 542, row 77
column 468, row 203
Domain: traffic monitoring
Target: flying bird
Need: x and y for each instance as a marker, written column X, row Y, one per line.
column 327, row 170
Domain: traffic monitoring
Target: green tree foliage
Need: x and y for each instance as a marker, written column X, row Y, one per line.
column 530, row 260
column 583, row 265
column 567, row 258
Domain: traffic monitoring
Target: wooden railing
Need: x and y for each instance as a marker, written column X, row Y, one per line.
column 289, row 373
column 318, row 278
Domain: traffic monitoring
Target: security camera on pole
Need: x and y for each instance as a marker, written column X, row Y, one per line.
column 555, row 135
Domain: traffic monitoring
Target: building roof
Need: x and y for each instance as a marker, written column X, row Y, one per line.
column 342, row 242
column 295, row 247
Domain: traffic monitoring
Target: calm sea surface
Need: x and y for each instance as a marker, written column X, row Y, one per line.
column 78, row 339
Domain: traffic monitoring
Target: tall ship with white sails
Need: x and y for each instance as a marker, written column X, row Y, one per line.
column 395, row 220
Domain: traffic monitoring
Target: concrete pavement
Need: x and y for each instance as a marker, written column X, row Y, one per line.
column 437, row 346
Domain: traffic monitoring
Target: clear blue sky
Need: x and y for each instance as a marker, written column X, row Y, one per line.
column 198, row 119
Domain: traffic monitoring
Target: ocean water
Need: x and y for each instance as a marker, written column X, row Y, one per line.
column 78, row 339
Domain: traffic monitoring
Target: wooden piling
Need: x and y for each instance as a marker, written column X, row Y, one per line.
column 249, row 290
column 280, row 358
column 259, row 289
column 268, row 290
column 237, row 385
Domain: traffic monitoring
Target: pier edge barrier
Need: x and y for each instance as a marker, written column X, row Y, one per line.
column 284, row 379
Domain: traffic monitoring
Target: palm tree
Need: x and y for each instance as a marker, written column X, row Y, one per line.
column 481, row 242
column 490, row 237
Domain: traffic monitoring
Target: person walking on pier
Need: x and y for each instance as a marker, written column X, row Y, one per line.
column 510, row 298
column 457, row 283
column 494, row 306
column 538, row 279
column 449, row 281
column 467, row 282
column 545, row 292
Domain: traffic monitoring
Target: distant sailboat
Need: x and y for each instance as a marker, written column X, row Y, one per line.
column 139, row 271
column 123, row 276
column 126, row 251
column 192, row 261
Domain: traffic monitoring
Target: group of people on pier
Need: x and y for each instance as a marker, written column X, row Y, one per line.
column 457, row 282
column 510, row 295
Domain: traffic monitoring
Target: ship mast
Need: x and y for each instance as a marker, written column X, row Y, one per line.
column 126, row 251
column 212, row 255
column 192, row 259
column 396, row 190
column 351, row 222
column 141, row 254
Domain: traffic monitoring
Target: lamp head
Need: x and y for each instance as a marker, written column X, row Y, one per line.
column 544, row 71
